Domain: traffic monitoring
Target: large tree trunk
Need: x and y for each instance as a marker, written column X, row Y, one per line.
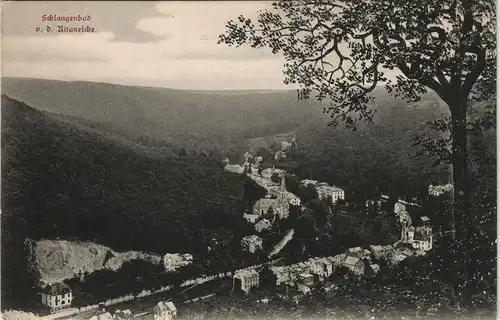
column 460, row 174
column 463, row 219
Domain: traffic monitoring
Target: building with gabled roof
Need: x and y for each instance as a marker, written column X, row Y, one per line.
column 354, row 264
column 57, row 296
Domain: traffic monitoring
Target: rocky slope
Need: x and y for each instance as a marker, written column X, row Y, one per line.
column 57, row 260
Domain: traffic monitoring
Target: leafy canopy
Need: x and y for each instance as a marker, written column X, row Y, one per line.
column 342, row 50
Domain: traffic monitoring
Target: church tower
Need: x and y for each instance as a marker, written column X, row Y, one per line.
column 283, row 184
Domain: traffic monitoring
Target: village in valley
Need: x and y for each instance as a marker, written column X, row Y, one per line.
column 416, row 236
column 289, row 278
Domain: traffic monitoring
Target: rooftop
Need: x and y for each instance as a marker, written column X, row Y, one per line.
column 166, row 306
column 246, row 273
column 264, row 221
column 351, row 261
column 57, row 289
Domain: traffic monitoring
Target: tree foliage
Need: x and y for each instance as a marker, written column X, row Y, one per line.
column 342, row 50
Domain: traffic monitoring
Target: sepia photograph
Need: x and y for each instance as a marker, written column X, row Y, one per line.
column 227, row 160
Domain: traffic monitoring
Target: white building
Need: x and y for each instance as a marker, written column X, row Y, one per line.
column 263, row 225
column 57, row 297
column 245, row 279
column 286, row 195
column 326, row 191
column 164, row 311
column 174, row 261
column 251, row 243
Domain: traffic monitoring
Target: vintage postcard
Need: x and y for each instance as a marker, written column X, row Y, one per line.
column 309, row 159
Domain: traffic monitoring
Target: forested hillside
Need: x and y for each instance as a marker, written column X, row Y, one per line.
column 62, row 182
column 379, row 157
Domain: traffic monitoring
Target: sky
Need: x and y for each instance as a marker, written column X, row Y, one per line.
column 167, row 44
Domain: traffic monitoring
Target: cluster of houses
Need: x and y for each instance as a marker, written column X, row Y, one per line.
column 300, row 277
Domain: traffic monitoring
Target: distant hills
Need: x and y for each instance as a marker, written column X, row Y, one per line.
column 177, row 118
